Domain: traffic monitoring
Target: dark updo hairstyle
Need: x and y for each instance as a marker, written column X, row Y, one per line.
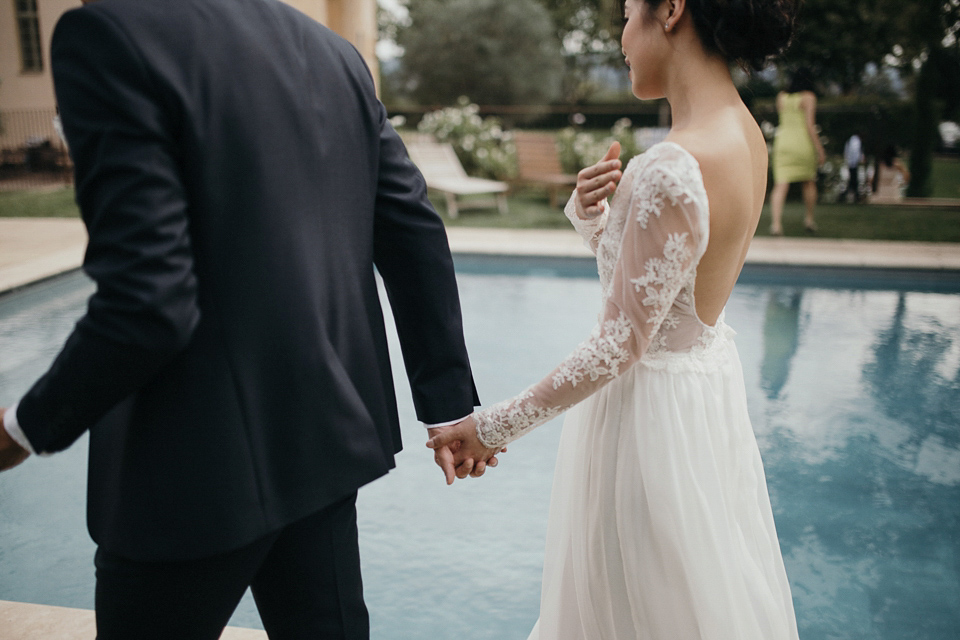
column 747, row 32
column 890, row 154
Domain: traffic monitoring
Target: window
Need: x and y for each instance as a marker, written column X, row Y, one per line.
column 28, row 24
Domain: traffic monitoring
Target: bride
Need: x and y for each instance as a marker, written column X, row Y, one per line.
column 660, row 524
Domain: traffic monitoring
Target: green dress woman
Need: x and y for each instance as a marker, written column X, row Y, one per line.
column 797, row 151
column 794, row 156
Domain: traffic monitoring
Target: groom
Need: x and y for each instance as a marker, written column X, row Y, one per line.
column 239, row 181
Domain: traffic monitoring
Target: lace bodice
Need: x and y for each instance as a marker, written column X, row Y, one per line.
column 648, row 242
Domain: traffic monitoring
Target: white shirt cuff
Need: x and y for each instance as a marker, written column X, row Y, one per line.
column 13, row 428
column 445, row 424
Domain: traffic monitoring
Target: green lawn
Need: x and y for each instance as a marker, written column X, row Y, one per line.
column 867, row 222
column 946, row 177
column 529, row 210
column 57, row 203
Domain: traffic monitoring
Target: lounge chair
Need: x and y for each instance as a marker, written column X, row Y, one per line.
column 443, row 172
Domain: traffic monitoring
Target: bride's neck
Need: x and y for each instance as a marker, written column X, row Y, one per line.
column 696, row 91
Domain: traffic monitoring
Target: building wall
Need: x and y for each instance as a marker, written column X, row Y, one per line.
column 358, row 24
column 20, row 90
column 355, row 20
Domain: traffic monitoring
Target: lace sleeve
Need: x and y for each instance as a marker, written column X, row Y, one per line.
column 590, row 229
column 664, row 238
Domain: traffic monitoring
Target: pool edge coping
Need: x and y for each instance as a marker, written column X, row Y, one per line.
column 27, row 621
column 63, row 253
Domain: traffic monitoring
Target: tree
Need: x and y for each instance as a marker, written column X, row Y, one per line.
column 836, row 40
column 589, row 31
column 935, row 25
column 586, row 26
column 493, row 51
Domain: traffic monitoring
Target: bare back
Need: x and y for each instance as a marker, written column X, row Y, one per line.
column 732, row 155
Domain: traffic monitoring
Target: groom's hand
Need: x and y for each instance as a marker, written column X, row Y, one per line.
column 443, row 456
column 462, row 453
column 11, row 453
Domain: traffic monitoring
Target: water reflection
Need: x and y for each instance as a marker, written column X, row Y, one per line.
column 781, row 334
column 915, row 365
column 853, row 394
column 868, row 479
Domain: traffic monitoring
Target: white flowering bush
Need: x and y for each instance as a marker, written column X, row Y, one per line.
column 768, row 129
column 832, row 179
column 579, row 149
column 484, row 148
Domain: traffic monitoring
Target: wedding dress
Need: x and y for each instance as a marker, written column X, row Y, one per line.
column 660, row 525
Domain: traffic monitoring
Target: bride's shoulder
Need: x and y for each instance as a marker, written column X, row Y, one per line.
column 665, row 155
column 665, row 169
column 671, row 163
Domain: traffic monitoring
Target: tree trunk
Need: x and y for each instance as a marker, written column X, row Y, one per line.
column 926, row 134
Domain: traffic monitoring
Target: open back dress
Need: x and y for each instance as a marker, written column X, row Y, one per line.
column 660, row 525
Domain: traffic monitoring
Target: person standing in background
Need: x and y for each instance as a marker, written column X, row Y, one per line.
column 890, row 176
column 797, row 151
column 853, row 156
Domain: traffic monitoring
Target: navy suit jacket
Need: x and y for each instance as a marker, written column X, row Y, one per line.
column 239, row 181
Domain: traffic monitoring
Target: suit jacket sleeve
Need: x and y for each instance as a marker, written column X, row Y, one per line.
column 131, row 196
column 413, row 257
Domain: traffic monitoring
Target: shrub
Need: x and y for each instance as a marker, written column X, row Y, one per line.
column 579, row 149
column 878, row 121
column 485, row 149
column 482, row 145
column 832, row 179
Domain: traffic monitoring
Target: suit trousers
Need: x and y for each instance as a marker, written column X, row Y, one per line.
column 305, row 579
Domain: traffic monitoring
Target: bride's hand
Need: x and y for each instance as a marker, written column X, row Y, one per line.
column 597, row 182
column 459, row 452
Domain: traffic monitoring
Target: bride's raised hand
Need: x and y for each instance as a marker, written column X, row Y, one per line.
column 597, row 182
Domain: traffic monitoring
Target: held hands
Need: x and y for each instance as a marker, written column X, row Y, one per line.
column 11, row 453
column 458, row 451
column 596, row 183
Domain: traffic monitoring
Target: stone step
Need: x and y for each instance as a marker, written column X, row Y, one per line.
column 24, row 621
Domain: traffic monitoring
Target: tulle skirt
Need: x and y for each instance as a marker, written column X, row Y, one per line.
column 660, row 525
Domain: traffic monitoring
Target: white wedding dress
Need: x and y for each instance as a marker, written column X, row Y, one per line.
column 660, row 524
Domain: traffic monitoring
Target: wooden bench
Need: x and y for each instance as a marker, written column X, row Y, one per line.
column 443, row 172
column 13, row 157
column 538, row 164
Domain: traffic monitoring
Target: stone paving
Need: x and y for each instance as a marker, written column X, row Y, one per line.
column 33, row 249
column 22, row 621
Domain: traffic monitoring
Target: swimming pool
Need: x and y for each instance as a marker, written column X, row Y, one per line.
column 853, row 381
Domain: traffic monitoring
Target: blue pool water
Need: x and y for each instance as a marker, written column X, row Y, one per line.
column 853, row 381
